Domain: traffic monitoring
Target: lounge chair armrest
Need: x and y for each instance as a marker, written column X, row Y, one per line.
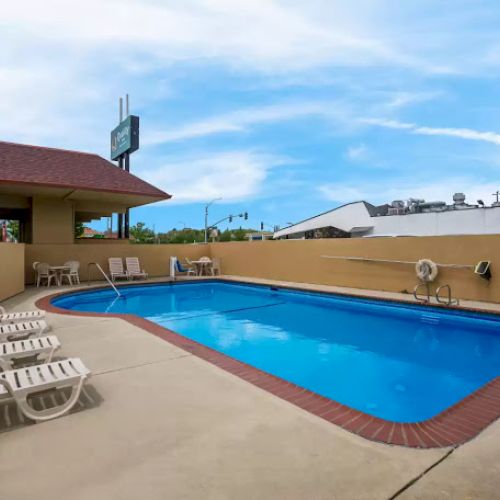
column 6, row 384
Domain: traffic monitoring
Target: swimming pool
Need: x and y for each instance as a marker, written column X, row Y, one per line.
column 399, row 362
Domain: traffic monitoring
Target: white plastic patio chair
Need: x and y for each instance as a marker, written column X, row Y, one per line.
column 72, row 273
column 19, row 331
column 16, row 317
column 43, row 272
column 21, row 383
column 21, row 349
column 215, row 268
column 116, row 268
column 134, row 268
column 192, row 266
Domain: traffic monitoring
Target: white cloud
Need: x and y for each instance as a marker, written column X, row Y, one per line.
column 238, row 121
column 462, row 133
column 264, row 34
column 357, row 153
column 382, row 122
column 241, row 120
column 68, row 62
column 401, row 99
column 232, row 175
column 378, row 192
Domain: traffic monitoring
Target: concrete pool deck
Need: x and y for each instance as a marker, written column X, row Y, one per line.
column 171, row 425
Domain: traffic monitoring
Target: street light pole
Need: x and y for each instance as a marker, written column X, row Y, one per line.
column 206, row 217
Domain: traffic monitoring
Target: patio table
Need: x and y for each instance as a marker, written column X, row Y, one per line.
column 58, row 270
column 202, row 266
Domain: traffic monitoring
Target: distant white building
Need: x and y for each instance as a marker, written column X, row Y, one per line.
column 411, row 218
column 259, row 236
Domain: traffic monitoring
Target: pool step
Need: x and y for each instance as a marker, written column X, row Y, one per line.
column 430, row 319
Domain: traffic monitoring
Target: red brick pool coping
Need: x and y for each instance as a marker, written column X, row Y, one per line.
column 452, row 427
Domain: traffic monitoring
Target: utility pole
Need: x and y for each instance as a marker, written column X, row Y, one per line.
column 206, row 217
column 496, row 203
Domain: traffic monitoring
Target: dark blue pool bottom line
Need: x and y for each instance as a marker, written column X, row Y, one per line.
column 221, row 312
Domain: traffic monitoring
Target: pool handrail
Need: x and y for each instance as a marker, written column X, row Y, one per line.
column 111, row 284
column 450, row 301
column 415, row 292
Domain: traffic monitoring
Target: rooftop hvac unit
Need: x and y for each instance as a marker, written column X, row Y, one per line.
column 459, row 199
column 396, row 210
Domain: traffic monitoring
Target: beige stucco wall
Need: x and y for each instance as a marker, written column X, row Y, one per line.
column 154, row 258
column 300, row 261
column 53, row 220
column 12, row 269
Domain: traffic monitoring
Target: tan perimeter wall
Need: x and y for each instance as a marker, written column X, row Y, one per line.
column 154, row 258
column 12, row 269
column 300, row 261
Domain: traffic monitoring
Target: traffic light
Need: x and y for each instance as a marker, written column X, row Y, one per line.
column 262, row 226
column 246, row 215
column 230, row 219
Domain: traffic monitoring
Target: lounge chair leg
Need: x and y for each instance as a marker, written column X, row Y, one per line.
column 41, row 415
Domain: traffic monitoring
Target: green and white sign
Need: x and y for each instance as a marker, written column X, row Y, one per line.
column 125, row 137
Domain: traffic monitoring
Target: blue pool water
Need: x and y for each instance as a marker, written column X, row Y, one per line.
column 400, row 362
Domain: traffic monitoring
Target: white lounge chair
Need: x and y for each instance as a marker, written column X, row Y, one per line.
column 19, row 384
column 134, row 269
column 192, row 266
column 16, row 317
column 19, row 331
column 116, row 268
column 20, row 349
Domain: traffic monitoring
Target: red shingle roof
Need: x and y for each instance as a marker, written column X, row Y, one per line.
column 23, row 164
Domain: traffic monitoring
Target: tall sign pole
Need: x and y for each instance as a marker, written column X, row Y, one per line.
column 124, row 140
column 120, row 165
column 126, row 158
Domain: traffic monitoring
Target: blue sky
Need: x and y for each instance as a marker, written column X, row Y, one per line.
column 282, row 108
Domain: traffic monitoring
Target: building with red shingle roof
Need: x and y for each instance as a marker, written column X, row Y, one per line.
column 48, row 190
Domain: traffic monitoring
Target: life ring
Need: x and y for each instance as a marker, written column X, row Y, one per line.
column 427, row 270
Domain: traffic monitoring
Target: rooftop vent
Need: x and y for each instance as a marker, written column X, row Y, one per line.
column 398, row 204
column 459, row 199
column 397, row 208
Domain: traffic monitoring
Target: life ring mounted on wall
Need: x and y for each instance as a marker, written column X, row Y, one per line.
column 427, row 270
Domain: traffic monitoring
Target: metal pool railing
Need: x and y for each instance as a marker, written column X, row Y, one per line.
column 106, row 277
column 389, row 261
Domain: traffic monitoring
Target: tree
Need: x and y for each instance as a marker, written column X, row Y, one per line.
column 13, row 230
column 79, row 229
column 225, row 235
column 142, row 234
column 240, row 234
